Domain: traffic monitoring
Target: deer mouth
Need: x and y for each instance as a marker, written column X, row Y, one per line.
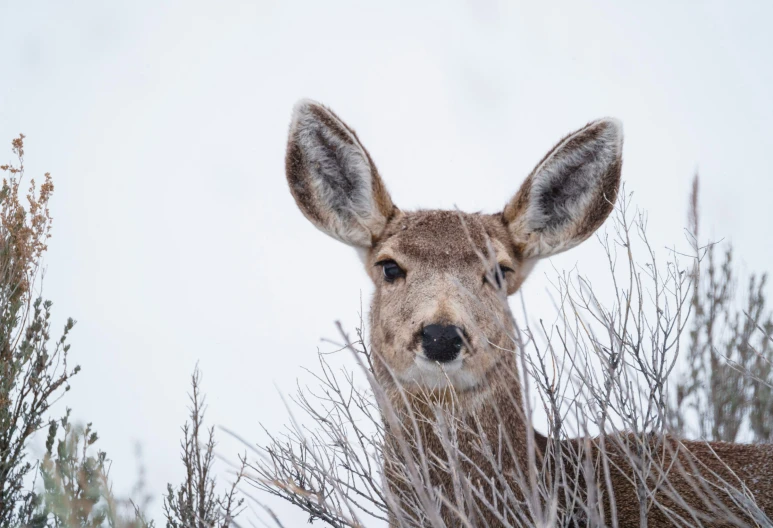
column 453, row 365
column 424, row 373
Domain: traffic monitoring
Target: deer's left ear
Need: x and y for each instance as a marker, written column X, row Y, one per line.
column 569, row 193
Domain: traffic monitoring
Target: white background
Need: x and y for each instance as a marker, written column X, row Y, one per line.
column 177, row 241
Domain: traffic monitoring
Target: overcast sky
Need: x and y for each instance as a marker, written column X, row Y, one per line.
column 176, row 240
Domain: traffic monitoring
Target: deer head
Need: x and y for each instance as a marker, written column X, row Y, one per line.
column 439, row 313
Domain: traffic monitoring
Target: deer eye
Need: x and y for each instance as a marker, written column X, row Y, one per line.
column 498, row 274
column 391, row 270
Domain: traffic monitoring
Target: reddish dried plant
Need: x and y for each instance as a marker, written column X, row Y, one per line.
column 24, row 232
column 34, row 371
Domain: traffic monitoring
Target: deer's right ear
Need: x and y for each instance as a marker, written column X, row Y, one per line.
column 332, row 178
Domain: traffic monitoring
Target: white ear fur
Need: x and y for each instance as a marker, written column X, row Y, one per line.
column 332, row 177
column 570, row 192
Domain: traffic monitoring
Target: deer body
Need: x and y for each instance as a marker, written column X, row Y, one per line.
column 443, row 339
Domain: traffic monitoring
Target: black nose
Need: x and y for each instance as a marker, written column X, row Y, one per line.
column 441, row 343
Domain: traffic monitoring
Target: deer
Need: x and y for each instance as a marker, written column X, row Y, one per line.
column 441, row 336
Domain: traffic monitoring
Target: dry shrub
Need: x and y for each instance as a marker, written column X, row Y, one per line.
column 195, row 503
column 73, row 488
column 726, row 393
column 35, row 371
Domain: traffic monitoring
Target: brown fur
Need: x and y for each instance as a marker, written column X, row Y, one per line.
column 698, row 475
column 446, row 257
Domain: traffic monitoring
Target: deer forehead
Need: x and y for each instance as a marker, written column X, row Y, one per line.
column 445, row 240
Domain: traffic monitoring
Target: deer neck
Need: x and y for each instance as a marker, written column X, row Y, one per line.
column 493, row 407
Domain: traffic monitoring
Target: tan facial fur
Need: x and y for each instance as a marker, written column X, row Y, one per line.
column 446, row 257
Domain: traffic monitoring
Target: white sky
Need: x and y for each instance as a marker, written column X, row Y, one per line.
column 177, row 241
